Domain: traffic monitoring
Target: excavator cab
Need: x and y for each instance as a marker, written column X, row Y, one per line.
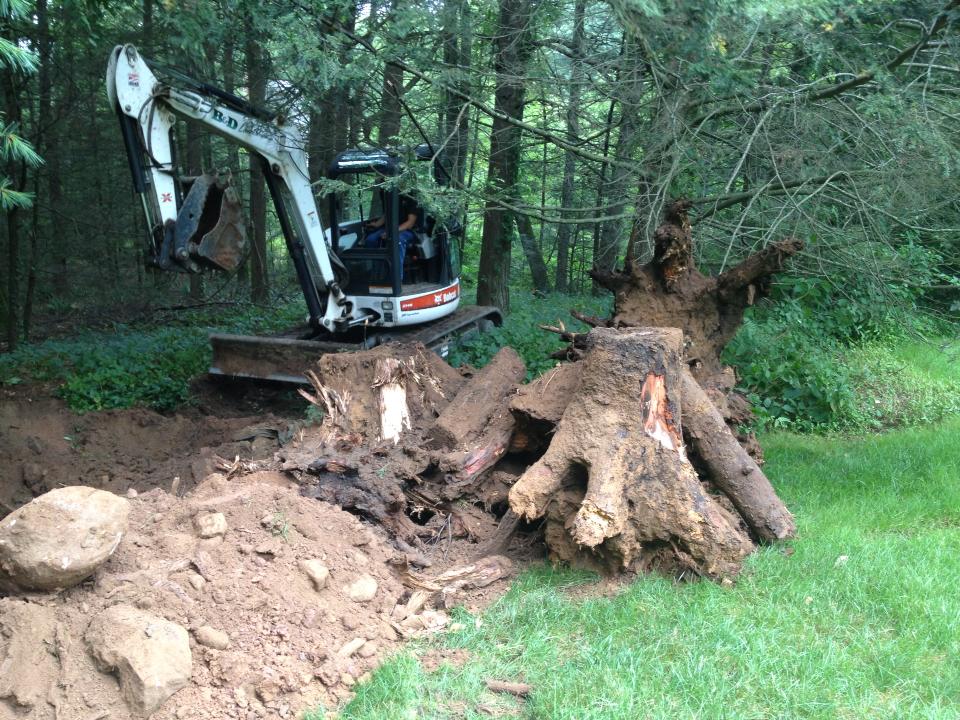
column 364, row 232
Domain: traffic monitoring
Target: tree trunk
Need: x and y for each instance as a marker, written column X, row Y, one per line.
column 388, row 128
column 457, row 47
column 513, row 48
column 615, row 486
column 257, row 88
column 463, row 420
column 622, row 180
column 566, row 231
column 729, row 466
column 533, row 253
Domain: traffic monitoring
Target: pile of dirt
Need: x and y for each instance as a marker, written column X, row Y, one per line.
column 288, row 601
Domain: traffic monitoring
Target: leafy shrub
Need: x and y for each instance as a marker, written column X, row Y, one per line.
column 820, row 359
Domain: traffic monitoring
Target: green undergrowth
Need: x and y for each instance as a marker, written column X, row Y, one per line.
column 857, row 618
column 521, row 330
column 814, row 358
column 150, row 366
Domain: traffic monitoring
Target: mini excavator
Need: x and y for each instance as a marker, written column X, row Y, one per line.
column 358, row 293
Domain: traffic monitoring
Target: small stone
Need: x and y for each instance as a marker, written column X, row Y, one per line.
column 212, row 638
column 157, row 517
column 270, row 547
column 268, row 687
column 211, row 524
column 196, row 581
column 317, row 572
column 350, row 647
column 369, row 649
column 240, row 697
column 387, row 632
column 350, row 622
column 245, row 548
column 132, row 493
column 363, row 589
column 310, row 618
column 347, row 679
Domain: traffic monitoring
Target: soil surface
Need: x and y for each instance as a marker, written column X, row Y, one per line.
column 291, row 646
column 44, row 445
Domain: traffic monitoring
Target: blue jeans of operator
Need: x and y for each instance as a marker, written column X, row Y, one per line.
column 375, row 239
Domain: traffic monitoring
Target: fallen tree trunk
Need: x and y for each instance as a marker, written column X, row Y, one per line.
column 730, row 467
column 483, row 395
column 615, row 485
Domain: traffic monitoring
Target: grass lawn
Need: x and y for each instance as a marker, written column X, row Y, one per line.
column 861, row 621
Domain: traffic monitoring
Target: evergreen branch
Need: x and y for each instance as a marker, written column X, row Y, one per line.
column 11, row 199
column 14, row 148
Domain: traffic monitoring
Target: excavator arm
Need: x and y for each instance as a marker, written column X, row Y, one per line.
column 184, row 235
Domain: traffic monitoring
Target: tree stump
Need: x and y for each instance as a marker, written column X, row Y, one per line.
column 615, row 485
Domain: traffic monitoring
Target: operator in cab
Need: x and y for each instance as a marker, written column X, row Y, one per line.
column 376, row 229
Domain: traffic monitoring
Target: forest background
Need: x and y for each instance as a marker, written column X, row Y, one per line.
column 565, row 128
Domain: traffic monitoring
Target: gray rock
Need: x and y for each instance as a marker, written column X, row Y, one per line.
column 151, row 655
column 212, row 638
column 61, row 537
column 363, row 589
column 317, row 572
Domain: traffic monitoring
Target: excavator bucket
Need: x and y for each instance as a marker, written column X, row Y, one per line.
column 210, row 228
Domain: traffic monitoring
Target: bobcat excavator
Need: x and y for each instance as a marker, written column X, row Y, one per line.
column 357, row 294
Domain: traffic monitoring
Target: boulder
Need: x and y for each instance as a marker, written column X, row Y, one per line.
column 61, row 537
column 151, row 655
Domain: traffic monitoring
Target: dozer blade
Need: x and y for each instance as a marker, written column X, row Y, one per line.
column 286, row 358
column 275, row 359
column 210, row 229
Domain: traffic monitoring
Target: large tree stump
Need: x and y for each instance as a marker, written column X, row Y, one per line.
column 670, row 291
column 615, row 485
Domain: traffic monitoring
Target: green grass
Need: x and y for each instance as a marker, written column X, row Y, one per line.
column 806, row 635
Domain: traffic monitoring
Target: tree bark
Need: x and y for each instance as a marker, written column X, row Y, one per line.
column 513, row 49
column 257, row 89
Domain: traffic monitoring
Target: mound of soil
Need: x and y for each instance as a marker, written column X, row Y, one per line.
column 289, row 645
